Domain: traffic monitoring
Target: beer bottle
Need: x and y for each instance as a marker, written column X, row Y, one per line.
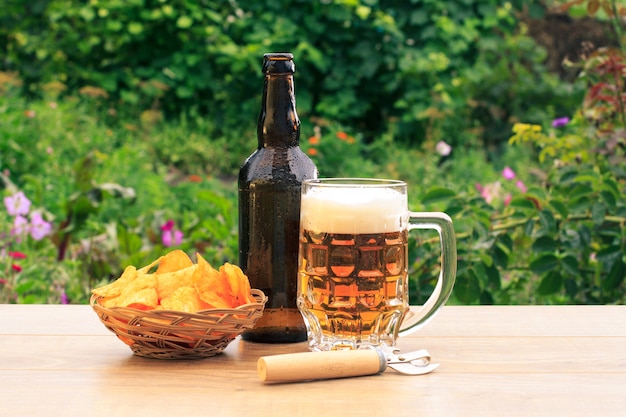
column 269, row 206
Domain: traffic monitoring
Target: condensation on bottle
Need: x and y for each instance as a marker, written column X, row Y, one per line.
column 269, row 206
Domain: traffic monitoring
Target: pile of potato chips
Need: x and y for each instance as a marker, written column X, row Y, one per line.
column 178, row 284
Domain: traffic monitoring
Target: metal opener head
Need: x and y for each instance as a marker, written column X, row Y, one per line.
column 410, row 363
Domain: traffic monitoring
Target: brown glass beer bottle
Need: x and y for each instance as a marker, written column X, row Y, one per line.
column 269, row 206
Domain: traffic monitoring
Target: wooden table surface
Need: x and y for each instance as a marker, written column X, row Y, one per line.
column 495, row 361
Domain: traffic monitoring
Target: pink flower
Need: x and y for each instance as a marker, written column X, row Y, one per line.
column 522, row 187
column 39, row 228
column 508, row 173
column 171, row 236
column 560, row 121
column 64, row 297
column 443, row 148
column 17, row 204
column 20, row 226
column 490, row 192
column 17, row 255
column 169, row 225
column 16, row 268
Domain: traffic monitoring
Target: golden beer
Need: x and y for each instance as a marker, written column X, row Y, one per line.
column 353, row 272
column 353, row 287
column 353, row 266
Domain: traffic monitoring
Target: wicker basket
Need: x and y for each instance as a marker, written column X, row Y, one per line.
column 167, row 334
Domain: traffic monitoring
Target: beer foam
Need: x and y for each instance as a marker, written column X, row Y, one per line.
column 353, row 210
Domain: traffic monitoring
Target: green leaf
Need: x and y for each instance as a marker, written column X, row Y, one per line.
column 184, row 92
column 129, row 96
column 87, row 13
column 522, row 203
column 114, row 25
column 580, row 190
column 571, row 288
column 580, row 205
column 486, row 259
column 585, row 236
column 500, row 256
column 551, row 283
column 536, row 193
column 598, row 212
column 529, row 227
column 184, row 22
column 570, row 265
column 544, row 244
column 436, row 194
column 454, row 209
column 589, row 176
column 570, row 239
column 493, row 277
column 467, row 287
column 560, row 208
column 135, row 28
column 616, row 276
column 609, row 255
column 506, row 241
column 611, row 186
column 84, row 172
column 480, row 270
column 546, row 219
column 486, row 298
column 462, row 267
column 129, row 242
column 568, row 175
column 609, row 199
column 544, row 263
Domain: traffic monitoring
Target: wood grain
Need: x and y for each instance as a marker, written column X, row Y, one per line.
column 495, row 361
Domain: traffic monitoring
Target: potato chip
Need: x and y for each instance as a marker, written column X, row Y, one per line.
column 116, row 287
column 141, row 282
column 211, row 300
column 146, row 269
column 146, row 297
column 174, row 261
column 169, row 282
column 211, row 287
column 183, row 299
column 130, row 290
column 178, row 284
column 142, row 307
column 239, row 284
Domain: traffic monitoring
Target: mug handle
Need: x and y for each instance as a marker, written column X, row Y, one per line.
column 441, row 222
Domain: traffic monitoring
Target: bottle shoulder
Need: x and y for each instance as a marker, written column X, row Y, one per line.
column 289, row 165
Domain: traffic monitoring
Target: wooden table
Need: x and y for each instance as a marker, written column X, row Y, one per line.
column 495, row 361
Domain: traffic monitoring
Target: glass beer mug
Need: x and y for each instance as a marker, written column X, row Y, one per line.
column 353, row 263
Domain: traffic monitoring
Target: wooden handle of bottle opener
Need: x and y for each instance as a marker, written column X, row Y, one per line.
column 294, row 367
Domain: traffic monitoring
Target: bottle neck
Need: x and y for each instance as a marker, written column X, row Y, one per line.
column 279, row 124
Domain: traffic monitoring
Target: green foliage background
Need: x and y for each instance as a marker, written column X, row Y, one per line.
column 116, row 116
column 419, row 65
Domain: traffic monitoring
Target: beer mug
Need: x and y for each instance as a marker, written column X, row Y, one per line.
column 353, row 263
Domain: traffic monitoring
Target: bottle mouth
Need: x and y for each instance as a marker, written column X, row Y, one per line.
column 278, row 63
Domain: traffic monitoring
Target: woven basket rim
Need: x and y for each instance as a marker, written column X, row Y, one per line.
column 257, row 294
column 173, row 334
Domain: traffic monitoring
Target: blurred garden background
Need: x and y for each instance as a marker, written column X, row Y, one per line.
column 123, row 124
